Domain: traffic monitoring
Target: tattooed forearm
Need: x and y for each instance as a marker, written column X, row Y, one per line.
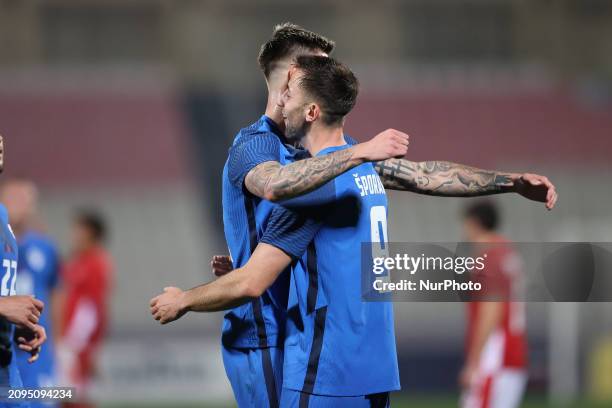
column 275, row 182
column 442, row 178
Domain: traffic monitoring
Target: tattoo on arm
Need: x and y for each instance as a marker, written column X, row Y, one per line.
column 275, row 182
column 442, row 178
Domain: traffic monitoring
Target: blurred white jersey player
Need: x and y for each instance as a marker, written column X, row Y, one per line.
column 495, row 370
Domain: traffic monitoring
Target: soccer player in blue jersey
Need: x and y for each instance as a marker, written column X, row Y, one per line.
column 38, row 276
column 339, row 351
column 259, row 171
column 23, row 311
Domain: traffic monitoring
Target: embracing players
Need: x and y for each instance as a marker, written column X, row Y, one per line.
column 252, row 337
column 260, row 170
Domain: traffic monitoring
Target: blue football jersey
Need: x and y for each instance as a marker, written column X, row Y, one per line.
column 9, row 373
column 261, row 322
column 38, row 275
column 336, row 344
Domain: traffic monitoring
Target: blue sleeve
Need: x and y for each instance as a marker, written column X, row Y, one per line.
column 244, row 156
column 350, row 140
column 312, row 203
column 290, row 231
column 3, row 215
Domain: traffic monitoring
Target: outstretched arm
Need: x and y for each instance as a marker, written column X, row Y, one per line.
column 441, row 178
column 287, row 235
column 274, row 182
column 231, row 290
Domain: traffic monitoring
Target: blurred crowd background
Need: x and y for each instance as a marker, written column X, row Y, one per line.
column 129, row 107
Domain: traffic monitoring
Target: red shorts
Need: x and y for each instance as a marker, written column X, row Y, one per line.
column 501, row 389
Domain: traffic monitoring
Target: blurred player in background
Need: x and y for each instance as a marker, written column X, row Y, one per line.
column 87, row 279
column 38, row 275
column 15, row 311
column 495, row 369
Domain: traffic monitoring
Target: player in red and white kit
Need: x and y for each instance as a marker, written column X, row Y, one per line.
column 87, row 280
column 495, row 370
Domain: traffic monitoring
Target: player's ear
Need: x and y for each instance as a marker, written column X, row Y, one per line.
column 292, row 70
column 312, row 112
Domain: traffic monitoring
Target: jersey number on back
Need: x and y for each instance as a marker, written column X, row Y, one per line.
column 7, row 285
column 378, row 231
column 378, row 236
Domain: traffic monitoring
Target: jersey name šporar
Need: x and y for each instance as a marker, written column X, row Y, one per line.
column 336, row 344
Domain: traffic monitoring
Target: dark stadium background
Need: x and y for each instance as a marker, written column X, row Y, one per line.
column 130, row 106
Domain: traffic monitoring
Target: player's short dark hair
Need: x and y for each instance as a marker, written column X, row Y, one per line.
column 286, row 38
column 331, row 83
column 93, row 221
column 485, row 213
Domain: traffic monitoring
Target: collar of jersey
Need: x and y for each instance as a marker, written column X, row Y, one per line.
column 333, row 149
column 273, row 126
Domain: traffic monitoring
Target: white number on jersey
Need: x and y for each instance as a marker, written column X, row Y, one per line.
column 7, row 285
column 378, row 235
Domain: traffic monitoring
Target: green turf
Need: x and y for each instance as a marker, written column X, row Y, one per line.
column 450, row 402
column 397, row 402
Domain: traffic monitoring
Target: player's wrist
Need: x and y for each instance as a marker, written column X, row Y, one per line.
column 507, row 182
column 184, row 302
column 515, row 185
column 360, row 152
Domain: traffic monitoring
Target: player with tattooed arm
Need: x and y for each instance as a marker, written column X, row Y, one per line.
column 261, row 170
column 321, row 338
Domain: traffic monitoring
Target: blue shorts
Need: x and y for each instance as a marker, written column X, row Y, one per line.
column 298, row 399
column 41, row 373
column 37, row 375
column 256, row 375
column 10, row 377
